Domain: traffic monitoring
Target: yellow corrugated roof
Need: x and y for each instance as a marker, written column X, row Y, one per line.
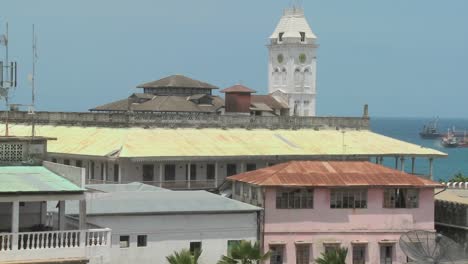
column 164, row 142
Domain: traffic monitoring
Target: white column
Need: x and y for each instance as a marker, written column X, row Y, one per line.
column 82, row 219
column 104, row 170
column 120, row 172
column 161, row 172
column 15, row 217
column 216, row 174
column 188, row 175
column 431, row 168
column 61, row 216
column 242, row 167
column 402, row 160
column 15, row 223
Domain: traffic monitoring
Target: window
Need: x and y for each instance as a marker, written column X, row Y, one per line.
column 359, row 254
column 237, row 188
column 231, row 169
column 66, row 161
column 124, row 241
column 245, row 190
column 251, row 166
column 169, row 172
column 280, row 36
column 79, row 163
column 54, row 160
column 148, row 172
column 195, row 246
column 303, row 254
column 193, row 172
column 276, row 256
column 348, row 198
column 401, row 198
column 230, row 245
column 92, row 169
column 254, row 192
column 331, row 247
column 142, row 240
column 116, row 172
column 302, row 36
column 210, row 171
column 294, row 198
column 386, row 254
column 102, row 171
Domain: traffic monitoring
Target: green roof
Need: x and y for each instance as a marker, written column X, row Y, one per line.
column 157, row 201
column 33, row 179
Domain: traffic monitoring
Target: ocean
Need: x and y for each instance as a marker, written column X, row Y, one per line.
column 407, row 129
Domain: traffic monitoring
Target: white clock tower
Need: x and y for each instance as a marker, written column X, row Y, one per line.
column 292, row 63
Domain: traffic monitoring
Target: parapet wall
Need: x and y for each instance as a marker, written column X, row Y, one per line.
column 171, row 120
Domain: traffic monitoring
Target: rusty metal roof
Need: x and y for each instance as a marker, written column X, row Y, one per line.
column 332, row 174
column 238, row 88
column 269, row 100
column 177, row 81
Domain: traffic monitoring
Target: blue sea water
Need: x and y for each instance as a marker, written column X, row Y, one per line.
column 407, row 129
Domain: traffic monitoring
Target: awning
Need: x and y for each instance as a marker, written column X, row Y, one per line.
column 277, row 243
column 331, row 242
column 388, row 241
column 358, row 242
column 303, row 242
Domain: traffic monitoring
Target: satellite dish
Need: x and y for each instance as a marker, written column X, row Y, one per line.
column 426, row 247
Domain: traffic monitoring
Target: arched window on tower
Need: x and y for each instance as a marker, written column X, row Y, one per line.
column 307, row 78
column 298, row 79
column 283, row 77
column 276, row 77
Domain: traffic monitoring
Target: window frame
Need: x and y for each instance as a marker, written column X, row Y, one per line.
column 125, row 241
column 384, row 257
column 144, row 170
column 145, row 241
column 170, row 172
column 356, row 247
column 231, row 167
column 294, row 198
column 348, row 198
column 401, row 198
column 305, row 259
column 210, row 171
column 192, row 247
column 273, row 250
column 230, row 245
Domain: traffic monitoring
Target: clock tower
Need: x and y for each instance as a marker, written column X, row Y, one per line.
column 292, row 63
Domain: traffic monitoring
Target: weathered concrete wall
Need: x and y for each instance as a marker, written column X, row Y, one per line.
column 185, row 120
column 74, row 174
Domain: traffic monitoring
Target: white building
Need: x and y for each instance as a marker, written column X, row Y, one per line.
column 28, row 235
column 150, row 223
column 292, row 67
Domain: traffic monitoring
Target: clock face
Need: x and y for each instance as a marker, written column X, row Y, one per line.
column 302, row 58
column 280, row 58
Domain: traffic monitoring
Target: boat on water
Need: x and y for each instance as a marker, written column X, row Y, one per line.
column 429, row 131
column 450, row 142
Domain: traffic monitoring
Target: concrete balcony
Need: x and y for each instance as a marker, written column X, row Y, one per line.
column 70, row 246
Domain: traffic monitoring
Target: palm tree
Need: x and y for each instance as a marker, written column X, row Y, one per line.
column 244, row 253
column 184, row 257
column 337, row 256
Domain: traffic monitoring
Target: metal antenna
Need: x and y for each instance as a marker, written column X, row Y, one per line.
column 33, row 79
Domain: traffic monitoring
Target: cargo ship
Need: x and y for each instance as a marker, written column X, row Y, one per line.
column 430, row 131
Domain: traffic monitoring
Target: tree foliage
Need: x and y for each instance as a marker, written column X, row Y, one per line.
column 337, row 256
column 184, row 257
column 459, row 177
column 245, row 253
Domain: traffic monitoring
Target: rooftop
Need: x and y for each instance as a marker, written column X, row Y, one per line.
column 33, row 179
column 128, row 199
column 332, row 174
column 238, row 88
column 181, row 143
column 291, row 23
column 459, row 196
column 177, row 81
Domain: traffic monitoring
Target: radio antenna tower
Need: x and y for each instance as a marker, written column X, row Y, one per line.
column 10, row 81
column 33, row 81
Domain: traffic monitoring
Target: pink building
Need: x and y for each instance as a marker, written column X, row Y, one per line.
column 315, row 206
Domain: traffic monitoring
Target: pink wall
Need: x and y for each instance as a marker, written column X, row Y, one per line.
column 323, row 223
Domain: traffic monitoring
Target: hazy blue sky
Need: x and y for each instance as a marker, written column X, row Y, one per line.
column 402, row 57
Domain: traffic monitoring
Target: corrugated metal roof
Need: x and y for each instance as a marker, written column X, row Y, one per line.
column 212, row 142
column 33, row 179
column 177, row 81
column 129, row 187
column 238, row 88
column 332, row 174
column 268, row 100
column 160, row 202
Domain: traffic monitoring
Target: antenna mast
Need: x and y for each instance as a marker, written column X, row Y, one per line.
column 33, row 79
column 10, row 69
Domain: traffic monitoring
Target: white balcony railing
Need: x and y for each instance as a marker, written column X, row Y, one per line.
column 53, row 244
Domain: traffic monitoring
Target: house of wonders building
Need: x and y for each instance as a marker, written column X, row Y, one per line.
column 314, row 206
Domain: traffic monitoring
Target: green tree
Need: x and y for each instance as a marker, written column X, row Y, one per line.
column 244, row 253
column 184, row 257
column 459, row 177
column 337, row 256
